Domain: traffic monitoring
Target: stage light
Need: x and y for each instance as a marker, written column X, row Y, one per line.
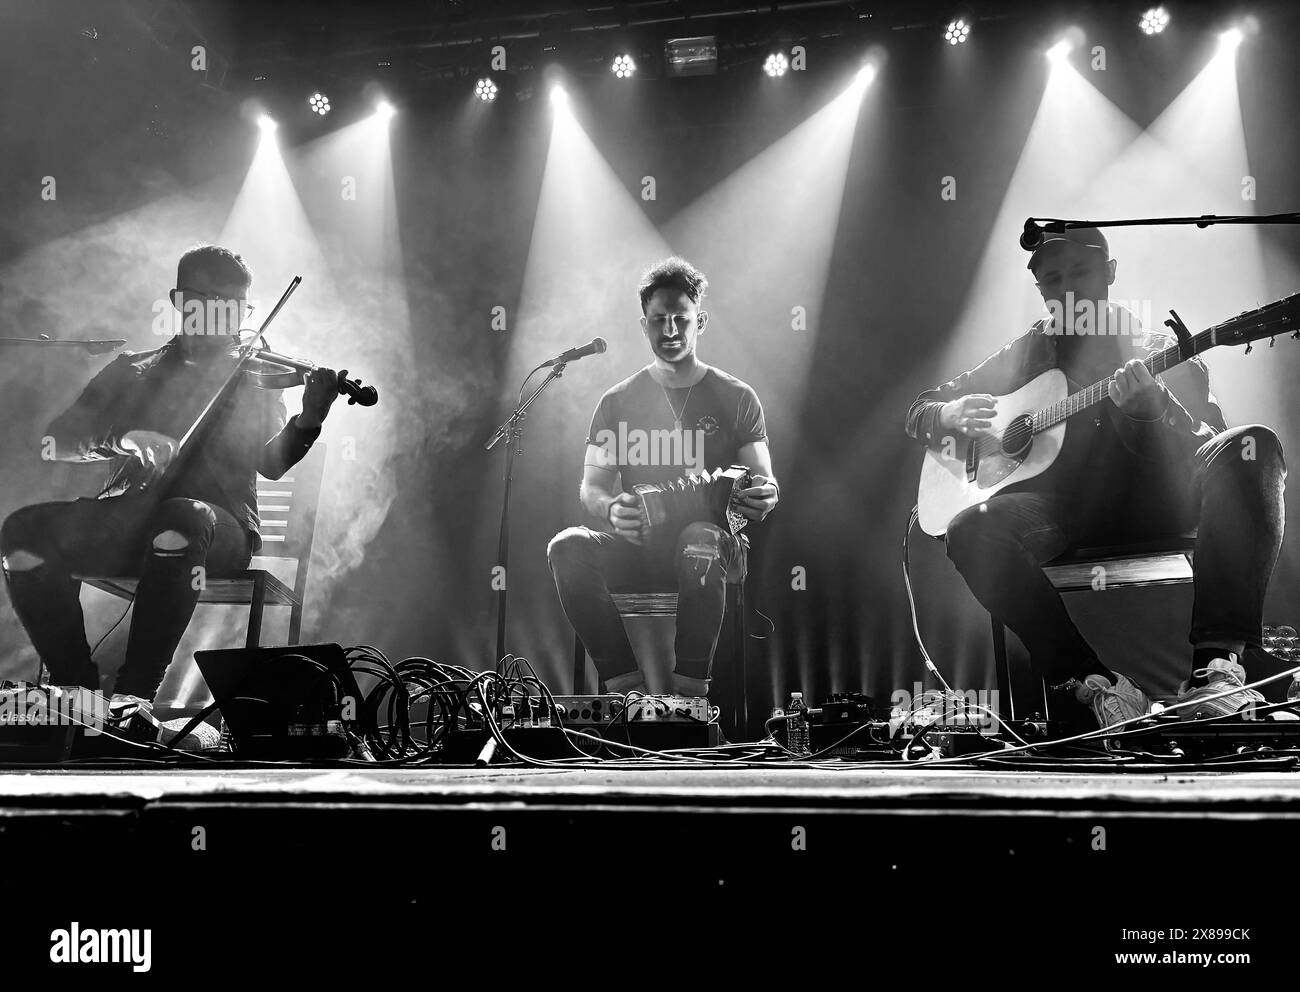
column 1154, row 20
column 320, row 103
column 623, row 66
column 776, row 64
column 485, row 90
column 265, row 123
column 384, row 110
column 1230, row 39
column 1060, row 51
column 559, row 98
column 957, row 32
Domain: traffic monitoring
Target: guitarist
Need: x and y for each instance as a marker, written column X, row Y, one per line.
column 677, row 395
column 1158, row 460
column 133, row 412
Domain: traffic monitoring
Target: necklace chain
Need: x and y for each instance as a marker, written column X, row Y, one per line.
column 677, row 414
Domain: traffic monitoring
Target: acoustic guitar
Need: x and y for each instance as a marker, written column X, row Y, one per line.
column 1029, row 424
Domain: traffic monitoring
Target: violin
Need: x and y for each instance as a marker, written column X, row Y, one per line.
column 292, row 372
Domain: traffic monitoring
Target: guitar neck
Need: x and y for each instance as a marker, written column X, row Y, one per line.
column 1062, row 410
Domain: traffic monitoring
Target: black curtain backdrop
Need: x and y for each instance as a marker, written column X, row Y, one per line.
column 903, row 265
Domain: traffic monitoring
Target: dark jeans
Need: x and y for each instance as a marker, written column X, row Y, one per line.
column 117, row 537
column 587, row 563
column 1237, row 508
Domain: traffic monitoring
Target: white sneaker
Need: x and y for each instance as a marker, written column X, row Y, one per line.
column 1112, row 704
column 122, row 708
column 1222, row 674
column 204, row 737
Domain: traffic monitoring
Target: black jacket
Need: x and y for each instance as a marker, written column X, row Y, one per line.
column 1110, row 462
column 159, row 391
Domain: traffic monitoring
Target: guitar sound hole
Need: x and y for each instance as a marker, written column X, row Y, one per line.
column 1017, row 437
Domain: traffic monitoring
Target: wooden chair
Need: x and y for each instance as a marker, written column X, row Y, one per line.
column 1167, row 561
column 662, row 603
column 287, row 507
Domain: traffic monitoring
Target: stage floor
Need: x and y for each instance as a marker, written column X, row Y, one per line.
column 886, row 858
column 704, row 786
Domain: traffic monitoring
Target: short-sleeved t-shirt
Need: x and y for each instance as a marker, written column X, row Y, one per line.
column 634, row 426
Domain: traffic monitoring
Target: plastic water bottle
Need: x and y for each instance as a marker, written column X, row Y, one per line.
column 796, row 724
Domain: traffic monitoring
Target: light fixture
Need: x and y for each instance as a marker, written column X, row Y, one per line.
column 776, row 64
column 1154, row 20
column 1231, row 38
column 1060, row 51
column 956, row 32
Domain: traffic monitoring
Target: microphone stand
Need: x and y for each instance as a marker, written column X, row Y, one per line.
column 1057, row 225
column 512, row 432
column 101, row 347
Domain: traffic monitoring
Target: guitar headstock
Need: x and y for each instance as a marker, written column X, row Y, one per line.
column 1279, row 317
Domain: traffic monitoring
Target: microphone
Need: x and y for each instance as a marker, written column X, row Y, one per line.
column 1032, row 236
column 596, row 346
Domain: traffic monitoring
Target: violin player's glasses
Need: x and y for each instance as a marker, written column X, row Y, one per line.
column 219, row 310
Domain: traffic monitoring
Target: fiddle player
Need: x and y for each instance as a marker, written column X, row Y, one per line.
column 205, row 524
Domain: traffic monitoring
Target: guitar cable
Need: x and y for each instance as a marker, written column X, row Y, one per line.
column 911, row 602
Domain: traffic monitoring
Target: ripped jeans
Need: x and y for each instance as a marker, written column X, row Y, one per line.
column 168, row 545
column 587, row 564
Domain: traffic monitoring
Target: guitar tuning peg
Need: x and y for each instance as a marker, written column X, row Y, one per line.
column 1271, row 342
column 1249, row 346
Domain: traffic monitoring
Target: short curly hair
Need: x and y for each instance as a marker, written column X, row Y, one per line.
column 221, row 263
column 673, row 273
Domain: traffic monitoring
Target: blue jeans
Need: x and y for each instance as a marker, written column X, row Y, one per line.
column 1234, row 503
column 116, row 537
column 586, row 564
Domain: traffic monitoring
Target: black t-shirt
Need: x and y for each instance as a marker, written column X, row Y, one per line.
column 634, row 426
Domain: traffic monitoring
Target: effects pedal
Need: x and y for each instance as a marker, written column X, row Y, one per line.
column 669, row 708
column 588, row 710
